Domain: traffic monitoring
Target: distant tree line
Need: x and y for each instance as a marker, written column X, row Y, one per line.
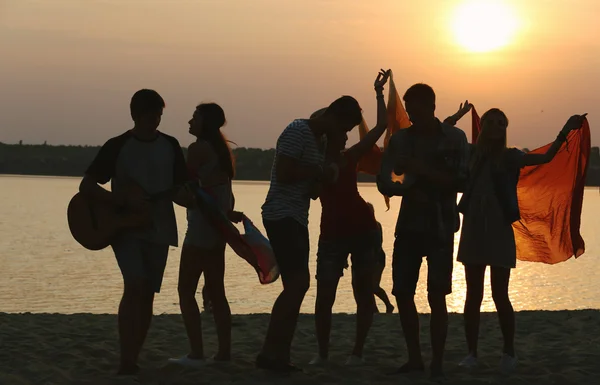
column 251, row 163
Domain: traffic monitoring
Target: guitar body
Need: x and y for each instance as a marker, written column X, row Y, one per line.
column 94, row 224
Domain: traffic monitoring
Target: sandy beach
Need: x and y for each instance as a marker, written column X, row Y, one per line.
column 560, row 347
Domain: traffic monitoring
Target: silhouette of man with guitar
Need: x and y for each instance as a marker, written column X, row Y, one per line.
column 147, row 171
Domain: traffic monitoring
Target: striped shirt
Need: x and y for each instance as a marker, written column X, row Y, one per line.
column 292, row 200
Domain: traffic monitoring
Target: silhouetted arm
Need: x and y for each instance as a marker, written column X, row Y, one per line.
column 181, row 195
column 537, row 159
column 462, row 110
column 443, row 179
column 101, row 171
column 397, row 149
column 289, row 150
column 573, row 123
column 465, row 149
column 288, row 170
column 360, row 149
column 90, row 186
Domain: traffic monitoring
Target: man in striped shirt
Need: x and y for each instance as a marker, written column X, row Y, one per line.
column 298, row 165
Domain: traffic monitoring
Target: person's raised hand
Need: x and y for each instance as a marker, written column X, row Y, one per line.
column 382, row 78
column 575, row 122
column 464, row 108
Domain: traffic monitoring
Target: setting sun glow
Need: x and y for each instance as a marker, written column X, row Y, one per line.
column 484, row 25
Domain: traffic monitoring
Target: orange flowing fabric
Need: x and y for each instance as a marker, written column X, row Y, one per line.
column 397, row 119
column 550, row 200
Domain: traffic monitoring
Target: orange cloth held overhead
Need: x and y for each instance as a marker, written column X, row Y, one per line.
column 475, row 125
column 397, row 119
column 370, row 162
column 550, row 200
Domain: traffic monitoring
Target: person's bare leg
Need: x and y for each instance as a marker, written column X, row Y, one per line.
column 206, row 299
column 214, row 275
column 409, row 318
column 406, row 265
column 506, row 315
column 438, row 331
column 439, row 285
column 326, row 292
column 284, row 318
column 474, row 276
column 362, row 286
column 382, row 295
column 128, row 321
column 290, row 243
column 145, row 318
column 379, row 292
column 190, row 270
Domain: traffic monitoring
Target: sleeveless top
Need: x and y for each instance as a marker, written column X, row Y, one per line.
column 222, row 192
column 344, row 212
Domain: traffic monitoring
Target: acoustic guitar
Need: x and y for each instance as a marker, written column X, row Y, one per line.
column 94, row 223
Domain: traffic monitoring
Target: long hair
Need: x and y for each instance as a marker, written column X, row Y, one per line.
column 213, row 118
column 488, row 148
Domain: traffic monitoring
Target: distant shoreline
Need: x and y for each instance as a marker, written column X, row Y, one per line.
column 33, row 176
column 251, row 164
column 235, row 181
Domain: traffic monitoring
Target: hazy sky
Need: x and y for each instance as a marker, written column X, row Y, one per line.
column 68, row 68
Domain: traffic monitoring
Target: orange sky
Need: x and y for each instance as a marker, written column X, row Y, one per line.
column 69, row 67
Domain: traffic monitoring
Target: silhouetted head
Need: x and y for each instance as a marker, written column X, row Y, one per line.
column 419, row 101
column 493, row 125
column 340, row 118
column 207, row 120
column 146, row 109
column 206, row 125
column 491, row 141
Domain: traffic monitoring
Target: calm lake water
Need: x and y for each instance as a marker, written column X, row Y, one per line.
column 42, row 269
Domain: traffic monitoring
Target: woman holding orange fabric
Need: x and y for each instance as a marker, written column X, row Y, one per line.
column 490, row 206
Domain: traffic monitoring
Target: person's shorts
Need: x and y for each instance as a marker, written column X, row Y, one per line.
column 290, row 243
column 201, row 233
column 140, row 259
column 409, row 250
column 332, row 256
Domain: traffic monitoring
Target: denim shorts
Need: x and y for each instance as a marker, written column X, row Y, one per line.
column 332, row 256
column 409, row 249
column 140, row 259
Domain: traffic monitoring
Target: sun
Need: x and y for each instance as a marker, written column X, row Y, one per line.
column 484, row 25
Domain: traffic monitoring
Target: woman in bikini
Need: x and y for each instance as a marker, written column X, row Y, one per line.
column 210, row 161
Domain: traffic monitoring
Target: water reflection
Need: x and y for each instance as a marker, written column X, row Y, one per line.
column 44, row 270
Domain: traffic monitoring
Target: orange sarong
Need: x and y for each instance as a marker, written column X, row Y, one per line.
column 397, row 119
column 550, row 195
